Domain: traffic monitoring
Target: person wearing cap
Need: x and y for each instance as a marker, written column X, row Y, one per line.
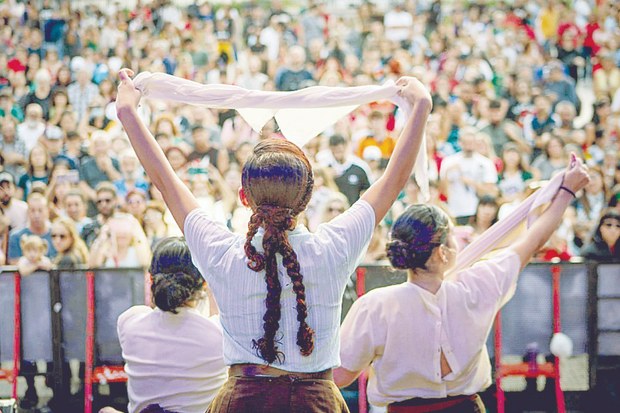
column 559, row 86
column 14, row 209
column 502, row 130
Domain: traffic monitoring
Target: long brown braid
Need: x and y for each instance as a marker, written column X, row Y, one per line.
column 277, row 181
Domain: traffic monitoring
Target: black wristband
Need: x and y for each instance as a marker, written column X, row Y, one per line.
column 568, row 190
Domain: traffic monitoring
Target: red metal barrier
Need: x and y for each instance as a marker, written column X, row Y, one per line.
column 550, row 370
column 362, row 381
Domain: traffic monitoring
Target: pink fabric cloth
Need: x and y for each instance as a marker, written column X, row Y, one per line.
column 506, row 228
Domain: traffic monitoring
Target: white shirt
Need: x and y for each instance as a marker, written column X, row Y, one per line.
column 402, row 329
column 326, row 258
column 174, row 360
column 462, row 199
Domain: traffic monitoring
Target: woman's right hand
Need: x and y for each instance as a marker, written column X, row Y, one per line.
column 413, row 90
column 576, row 175
column 128, row 96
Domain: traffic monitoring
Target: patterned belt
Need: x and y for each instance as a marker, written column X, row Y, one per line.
column 260, row 370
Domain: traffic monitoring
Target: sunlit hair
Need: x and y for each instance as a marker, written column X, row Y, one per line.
column 415, row 234
column 78, row 247
column 277, row 181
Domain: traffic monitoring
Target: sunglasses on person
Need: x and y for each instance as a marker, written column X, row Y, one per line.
column 340, row 210
column 104, row 200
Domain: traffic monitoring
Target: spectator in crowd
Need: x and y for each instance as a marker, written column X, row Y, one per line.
column 135, row 204
column 132, row 174
column 82, row 92
column 566, row 128
column 13, row 147
column 14, row 209
column 515, row 174
column 38, row 169
column 485, row 216
column 34, row 250
column 100, row 166
column 294, row 76
column 552, row 159
column 72, row 251
column 605, row 244
column 107, row 202
column 465, row 176
column 121, row 243
column 591, row 202
column 204, row 150
column 377, row 136
column 560, row 87
column 350, row 173
column 503, row 131
column 607, row 78
column 42, row 93
column 33, row 126
column 38, row 224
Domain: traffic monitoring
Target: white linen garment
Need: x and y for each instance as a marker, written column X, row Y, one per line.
column 326, row 258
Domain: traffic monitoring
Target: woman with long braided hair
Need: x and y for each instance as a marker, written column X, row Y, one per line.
column 280, row 288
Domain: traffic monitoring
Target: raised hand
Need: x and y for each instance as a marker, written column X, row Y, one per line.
column 576, row 175
column 128, row 96
column 413, row 90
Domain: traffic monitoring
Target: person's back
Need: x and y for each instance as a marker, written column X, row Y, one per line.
column 173, row 353
column 174, row 360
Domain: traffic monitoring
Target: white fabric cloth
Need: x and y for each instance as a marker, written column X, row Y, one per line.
column 174, row 360
column 402, row 329
column 326, row 258
column 301, row 115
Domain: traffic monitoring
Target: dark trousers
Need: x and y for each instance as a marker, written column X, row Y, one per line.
column 278, row 395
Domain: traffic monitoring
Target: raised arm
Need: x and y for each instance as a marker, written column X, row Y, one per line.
column 177, row 196
column 382, row 194
column 575, row 178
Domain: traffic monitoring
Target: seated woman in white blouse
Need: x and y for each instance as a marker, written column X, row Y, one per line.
column 425, row 338
column 173, row 354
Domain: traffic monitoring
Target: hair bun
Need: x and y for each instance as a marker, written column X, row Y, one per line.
column 400, row 254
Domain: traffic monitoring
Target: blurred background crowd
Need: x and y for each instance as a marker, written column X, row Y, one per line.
column 516, row 86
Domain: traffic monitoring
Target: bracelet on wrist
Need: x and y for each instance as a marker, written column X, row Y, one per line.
column 568, row 190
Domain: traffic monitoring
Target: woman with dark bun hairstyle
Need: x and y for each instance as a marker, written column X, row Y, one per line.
column 280, row 287
column 173, row 353
column 425, row 338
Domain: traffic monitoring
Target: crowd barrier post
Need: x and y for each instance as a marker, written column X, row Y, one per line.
column 90, row 341
column 362, row 381
column 556, row 271
column 17, row 339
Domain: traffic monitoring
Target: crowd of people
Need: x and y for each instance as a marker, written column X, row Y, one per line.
column 503, row 83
